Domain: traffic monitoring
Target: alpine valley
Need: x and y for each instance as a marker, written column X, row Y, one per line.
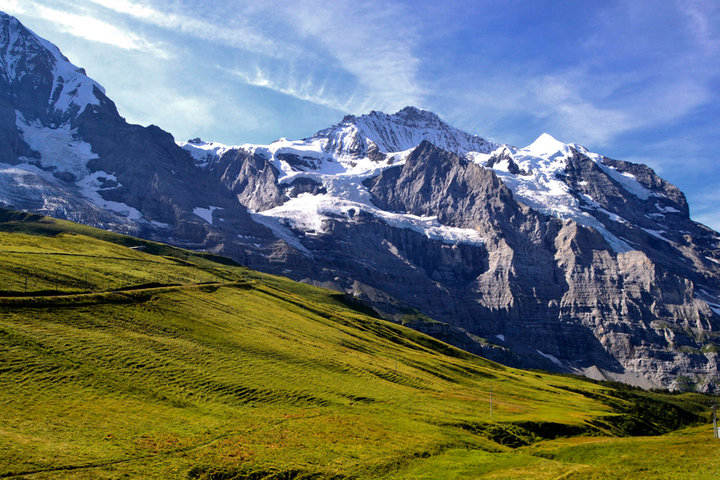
column 548, row 256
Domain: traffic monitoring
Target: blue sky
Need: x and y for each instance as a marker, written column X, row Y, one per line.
column 634, row 80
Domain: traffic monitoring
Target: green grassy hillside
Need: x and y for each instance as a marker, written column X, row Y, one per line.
column 154, row 362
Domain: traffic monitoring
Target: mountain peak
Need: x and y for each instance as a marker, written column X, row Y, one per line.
column 34, row 71
column 411, row 112
column 398, row 132
column 410, row 116
column 546, row 145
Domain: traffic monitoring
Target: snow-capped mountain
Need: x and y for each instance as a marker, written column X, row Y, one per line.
column 41, row 93
column 356, row 145
column 322, row 176
column 546, row 256
column 379, row 133
column 29, row 61
column 66, row 152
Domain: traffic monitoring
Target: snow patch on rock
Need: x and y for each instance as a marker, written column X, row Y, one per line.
column 712, row 301
column 552, row 358
column 396, row 132
column 91, row 186
column 204, row 153
column 656, row 234
column 625, row 179
column 59, row 148
column 667, row 209
column 205, row 213
column 308, row 213
column 279, row 227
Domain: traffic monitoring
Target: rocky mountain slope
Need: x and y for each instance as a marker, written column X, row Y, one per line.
column 66, row 152
column 546, row 256
column 187, row 366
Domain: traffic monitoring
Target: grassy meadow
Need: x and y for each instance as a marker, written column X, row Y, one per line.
column 153, row 362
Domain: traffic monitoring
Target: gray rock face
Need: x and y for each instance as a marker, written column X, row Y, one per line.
column 251, row 178
column 17, row 91
column 255, row 181
column 504, row 156
column 436, row 228
column 659, row 224
column 437, row 182
column 649, row 179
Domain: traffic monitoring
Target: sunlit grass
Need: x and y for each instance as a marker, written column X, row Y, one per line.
column 253, row 375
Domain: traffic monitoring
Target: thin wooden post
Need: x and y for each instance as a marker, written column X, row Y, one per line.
column 491, row 406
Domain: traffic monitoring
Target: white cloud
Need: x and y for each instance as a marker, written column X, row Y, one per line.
column 700, row 19
column 173, row 111
column 704, row 209
column 710, row 219
column 236, row 35
column 559, row 98
column 343, row 55
column 641, row 66
column 374, row 41
column 303, row 90
column 87, row 27
column 11, row 7
column 592, row 108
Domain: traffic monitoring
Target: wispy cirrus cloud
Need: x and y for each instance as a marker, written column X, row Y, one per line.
column 342, row 55
column 338, row 54
column 702, row 16
column 232, row 33
column 170, row 107
column 12, row 7
column 575, row 103
column 374, row 41
column 704, row 209
column 300, row 88
column 86, row 26
column 619, row 77
column 560, row 98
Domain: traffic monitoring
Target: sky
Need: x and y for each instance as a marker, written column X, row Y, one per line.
column 636, row 81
